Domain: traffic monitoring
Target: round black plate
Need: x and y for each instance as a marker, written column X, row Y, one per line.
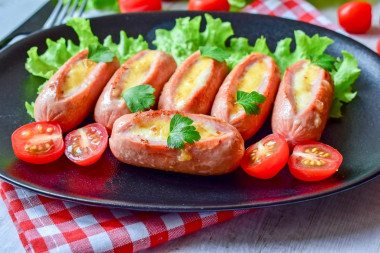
column 113, row 184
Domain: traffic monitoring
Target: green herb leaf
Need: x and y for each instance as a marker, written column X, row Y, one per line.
column 237, row 5
column 214, row 52
column 249, row 101
column 181, row 131
column 100, row 53
column 324, row 61
column 139, row 98
column 30, row 109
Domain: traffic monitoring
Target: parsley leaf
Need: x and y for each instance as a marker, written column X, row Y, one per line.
column 249, row 101
column 327, row 62
column 214, row 52
column 139, row 98
column 99, row 53
column 181, row 130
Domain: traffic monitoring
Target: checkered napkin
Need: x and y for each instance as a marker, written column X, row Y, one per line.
column 46, row 224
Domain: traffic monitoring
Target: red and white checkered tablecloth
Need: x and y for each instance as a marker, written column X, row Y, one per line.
column 46, row 224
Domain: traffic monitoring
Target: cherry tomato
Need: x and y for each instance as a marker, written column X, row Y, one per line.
column 38, row 142
column 314, row 161
column 84, row 146
column 139, row 5
column 378, row 46
column 267, row 157
column 355, row 17
column 208, row 5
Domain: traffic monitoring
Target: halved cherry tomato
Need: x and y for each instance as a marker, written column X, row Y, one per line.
column 267, row 157
column 208, row 5
column 139, row 5
column 84, row 146
column 355, row 17
column 314, row 161
column 38, row 142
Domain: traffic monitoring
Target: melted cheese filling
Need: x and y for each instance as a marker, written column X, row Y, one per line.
column 250, row 81
column 158, row 130
column 193, row 80
column 77, row 74
column 138, row 70
column 303, row 85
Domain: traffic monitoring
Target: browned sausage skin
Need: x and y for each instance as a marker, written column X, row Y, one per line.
column 140, row 139
column 193, row 86
column 71, row 93
column 146, row 67
column 257, row 72
column 303, row 103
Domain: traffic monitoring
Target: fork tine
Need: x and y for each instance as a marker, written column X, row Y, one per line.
column 63, row 13
column 53, row 16
column 72, row 11
column 82, row 7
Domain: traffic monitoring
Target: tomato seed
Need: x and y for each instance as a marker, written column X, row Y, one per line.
column 49, row 129
column 26, row 134
column 307, row 151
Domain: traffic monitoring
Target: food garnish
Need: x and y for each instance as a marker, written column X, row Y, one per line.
column 139, row 98
column 214, row 52
column 181, row 131
column 249, row 101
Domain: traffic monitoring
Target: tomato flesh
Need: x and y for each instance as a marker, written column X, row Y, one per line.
column 139, row 5
column 84, row 146
column 38, row 142
column 355, row 17
column 266, row 158
column 314, row 161
column 208, row 5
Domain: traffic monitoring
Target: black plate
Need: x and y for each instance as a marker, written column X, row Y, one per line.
column 113, row 184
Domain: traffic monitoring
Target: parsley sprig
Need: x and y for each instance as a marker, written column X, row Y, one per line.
column 139, row 98
column 249, row 101
column 324, row 61
column 181, row 131
column 214, row 52
column 99, row 53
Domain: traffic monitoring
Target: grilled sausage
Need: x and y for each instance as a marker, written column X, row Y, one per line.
column 303, row 103
column 141, row 139
column 71, row 93
column 257, row 72
column 193, row 86
column 145, row 67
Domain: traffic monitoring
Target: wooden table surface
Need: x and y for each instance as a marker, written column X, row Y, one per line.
column 345, row 222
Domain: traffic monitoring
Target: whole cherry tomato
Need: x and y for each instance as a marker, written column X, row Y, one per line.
column 355, row 17
column 208, row 5
column 139, row 5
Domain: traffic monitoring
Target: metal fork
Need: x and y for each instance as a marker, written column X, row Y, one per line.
column 63, row 11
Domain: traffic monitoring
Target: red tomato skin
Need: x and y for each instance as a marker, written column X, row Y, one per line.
column 269, row 167
column 94, row 157
column 314, row 174
column 208, row 5
column 139, row 5
column 36, row 159
column 378, row 46
column 355, row 17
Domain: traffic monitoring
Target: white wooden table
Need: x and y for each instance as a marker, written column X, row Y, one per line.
column 346, row 222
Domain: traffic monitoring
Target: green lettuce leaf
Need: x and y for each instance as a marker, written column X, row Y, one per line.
column 237, row 5
column 127, row 46
column 30, row 109
column 305, row 47
column 345, row 75
column 182, row 41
